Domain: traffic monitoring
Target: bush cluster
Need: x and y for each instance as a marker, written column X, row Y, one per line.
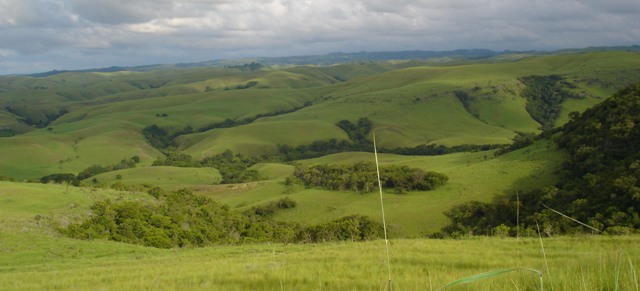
column 362, row 177
column 184, row 219
column 349, row 228
column 60, row 178
column 178, row 219
column 234, row 168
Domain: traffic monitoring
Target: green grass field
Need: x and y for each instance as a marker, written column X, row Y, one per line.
column 168, row 178
column 34, row 257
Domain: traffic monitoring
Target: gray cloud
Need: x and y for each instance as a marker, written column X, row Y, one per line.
column 117, row 11
column 71, row 34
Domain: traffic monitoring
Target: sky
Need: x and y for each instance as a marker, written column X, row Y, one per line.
column 43, row 35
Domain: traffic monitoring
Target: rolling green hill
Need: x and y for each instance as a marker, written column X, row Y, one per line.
column 67, row 122
column 79, row 113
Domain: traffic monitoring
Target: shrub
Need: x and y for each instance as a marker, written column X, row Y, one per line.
column 362, row 177
column 60, row 178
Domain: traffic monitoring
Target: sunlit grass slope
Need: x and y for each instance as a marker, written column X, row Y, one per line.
column 23, row 201
column 169, row 178
column 196, row 110
column 106, row 134
column 418, row 105
column 35, row 257
column 472, row 176
column 261, row 137
column 11, row 122
column 72, row 147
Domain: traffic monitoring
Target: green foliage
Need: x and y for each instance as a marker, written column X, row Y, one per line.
column 182, row 219
column 436, row 150
column 315, row 149
column 158, row 138
column 601, row 178
column 224, row 124
column 471, row 218
column 358, row 132
column 60, row 178
column 271, row 208
column 362, row 177
column 163, row 138
column 176, row 159
column 233, row 168
column 599, row 182
column 351, row 228
column 545, row 95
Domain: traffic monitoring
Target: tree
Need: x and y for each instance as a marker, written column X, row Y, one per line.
column 599, row 182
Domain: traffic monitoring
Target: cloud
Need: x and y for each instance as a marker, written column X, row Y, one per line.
column 616, row 6
column 93, row 32
column 115, row 12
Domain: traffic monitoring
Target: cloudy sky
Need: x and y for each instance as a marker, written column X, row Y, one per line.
column 41, row 35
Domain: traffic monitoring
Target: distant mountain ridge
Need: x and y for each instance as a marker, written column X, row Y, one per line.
column 341, row 58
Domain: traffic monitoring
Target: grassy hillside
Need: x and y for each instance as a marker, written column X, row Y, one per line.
column 472, row 176
column 168, row 178
column 67, row 122
column 35, row 257
column 418, row 105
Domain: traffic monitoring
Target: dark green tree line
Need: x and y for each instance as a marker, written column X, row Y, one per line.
column 599, row 182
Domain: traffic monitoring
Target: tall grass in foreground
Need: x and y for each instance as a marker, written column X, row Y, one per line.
column 31, row 261
column 34, row 257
